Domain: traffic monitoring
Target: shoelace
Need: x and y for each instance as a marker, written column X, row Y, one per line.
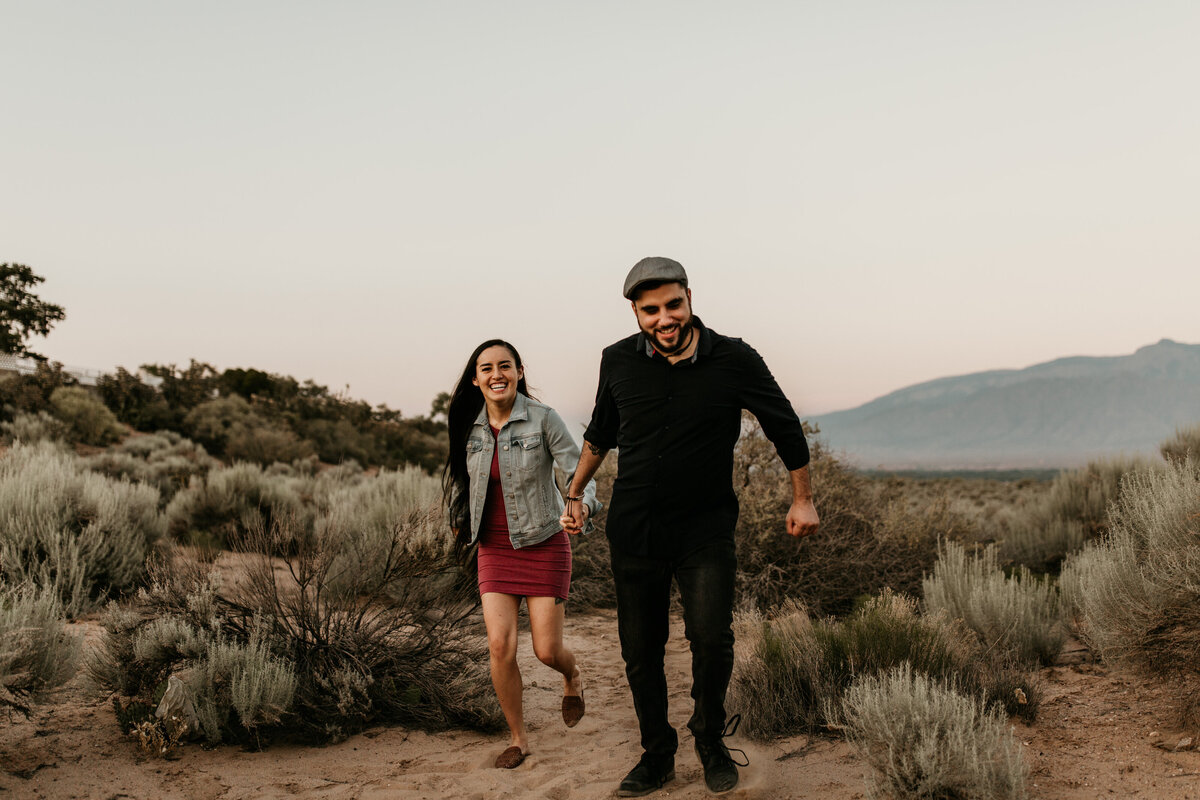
column 731, row 727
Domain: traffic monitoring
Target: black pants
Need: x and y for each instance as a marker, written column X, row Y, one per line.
column 705, row 577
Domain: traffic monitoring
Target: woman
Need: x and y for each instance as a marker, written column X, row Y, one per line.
column 499, row 482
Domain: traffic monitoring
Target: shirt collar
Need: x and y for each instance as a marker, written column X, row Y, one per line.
column 644, row 346
column 520, row 410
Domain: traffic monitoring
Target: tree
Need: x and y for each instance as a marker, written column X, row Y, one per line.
column 23, row 313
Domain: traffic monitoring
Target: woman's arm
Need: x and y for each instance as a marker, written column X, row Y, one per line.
column 566, row 456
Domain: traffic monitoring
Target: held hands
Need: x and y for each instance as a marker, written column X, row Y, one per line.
column 574, row 516
column 802, row 519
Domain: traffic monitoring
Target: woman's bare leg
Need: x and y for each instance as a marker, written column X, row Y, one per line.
column 500, row 617
column 546, row 624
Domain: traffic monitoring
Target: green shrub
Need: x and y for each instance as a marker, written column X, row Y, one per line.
column 790, row 671
column 134, row 402
column 36, row 651
column 1015, row 617
column 340, row 440
column 1135, row 593
column 64, row 527
column 230, row 427
column 85, row 415
column 266, row 444
column 926, row 741
column 229, row 502
column 36, row 427
column 32, row 392
column 164, row 460
column 1185, row 443
column 1072, row 511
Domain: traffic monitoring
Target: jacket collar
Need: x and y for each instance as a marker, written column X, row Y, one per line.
column 520, row 411
column 643, row 345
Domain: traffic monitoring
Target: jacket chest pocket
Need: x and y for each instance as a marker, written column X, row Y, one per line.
column 527, row 452
column 475, row 453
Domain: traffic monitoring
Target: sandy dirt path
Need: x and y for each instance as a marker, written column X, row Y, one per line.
column 1093, row 740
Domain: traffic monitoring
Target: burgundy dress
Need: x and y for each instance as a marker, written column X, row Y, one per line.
column 538, row 570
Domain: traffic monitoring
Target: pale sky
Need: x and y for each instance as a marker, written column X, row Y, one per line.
column 873, row 194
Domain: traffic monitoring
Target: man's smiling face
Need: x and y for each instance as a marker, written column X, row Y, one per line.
column 664, row 313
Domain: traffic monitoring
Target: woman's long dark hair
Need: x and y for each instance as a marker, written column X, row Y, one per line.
column 466, row 401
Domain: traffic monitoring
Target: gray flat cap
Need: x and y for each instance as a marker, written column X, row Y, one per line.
column 654, row 268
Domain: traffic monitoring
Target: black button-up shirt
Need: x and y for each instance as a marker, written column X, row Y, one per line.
column 675, row 426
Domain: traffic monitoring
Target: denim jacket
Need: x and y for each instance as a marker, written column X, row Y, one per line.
column 531, row 442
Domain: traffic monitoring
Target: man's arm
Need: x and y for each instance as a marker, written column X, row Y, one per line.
column 802, row 517
column 590, row 459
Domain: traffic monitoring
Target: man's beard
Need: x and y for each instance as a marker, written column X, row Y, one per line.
column 682, row 339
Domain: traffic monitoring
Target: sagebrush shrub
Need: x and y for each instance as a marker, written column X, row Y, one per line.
column 65, row 527
column 221, row 507
column 789, row 669
column 1072, row 511
column 85, row 415
column 1185, row 443
column 1135, row 592
column 36, row 650
column 362, row 517
column 164, row 460
column 1017, row 616
column 240, row 686
column 30, row 428
column 287, row 653
column 925, row 740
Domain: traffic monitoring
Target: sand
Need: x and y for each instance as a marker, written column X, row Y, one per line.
column 1096, row 737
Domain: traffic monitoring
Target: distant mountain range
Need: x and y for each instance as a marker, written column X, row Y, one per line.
column 1060, row 413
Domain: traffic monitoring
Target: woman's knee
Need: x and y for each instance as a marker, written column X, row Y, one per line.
column 502, row 646
column 549, row 653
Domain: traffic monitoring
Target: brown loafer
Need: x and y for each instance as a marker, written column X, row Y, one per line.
column 572, row 709
column 510, row 758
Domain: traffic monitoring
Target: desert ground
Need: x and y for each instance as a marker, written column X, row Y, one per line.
column 1100, row 734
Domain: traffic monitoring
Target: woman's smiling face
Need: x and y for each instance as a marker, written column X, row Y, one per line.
column 497, row 374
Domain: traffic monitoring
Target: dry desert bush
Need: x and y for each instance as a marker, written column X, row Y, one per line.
column 1016, row 616
column 866, row 541
column 62, row 526
column 925, row 740
column 1135, row 592
column 1185, row 443
column 308, row 646
column 31, row 428
column 790, row 669
column 36, row 651
column 591, row 574
column 362, row 516
column 1073, row 510
column 218, row 510
column 164, row 460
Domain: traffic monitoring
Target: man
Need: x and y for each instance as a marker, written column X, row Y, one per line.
column 670, row 399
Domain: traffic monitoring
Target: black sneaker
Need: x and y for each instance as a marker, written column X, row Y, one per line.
column 650, row 775
column 720, row 768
